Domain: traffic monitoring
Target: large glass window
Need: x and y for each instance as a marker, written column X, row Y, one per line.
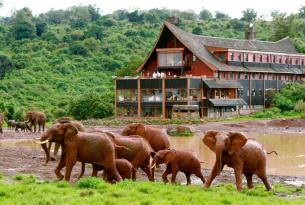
column 127, row 95
column 176, row 95
column 170, row 59
column 153, row 95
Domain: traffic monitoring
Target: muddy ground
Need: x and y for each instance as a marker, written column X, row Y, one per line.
column 20, row 155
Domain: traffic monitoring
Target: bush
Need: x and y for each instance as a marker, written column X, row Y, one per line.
column 92, row 105
column 268, row 113
column 299, row 106
column 78, row 49
column 89, row 182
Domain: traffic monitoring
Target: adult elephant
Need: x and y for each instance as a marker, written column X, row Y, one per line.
column 79, row 126
column 134, row 149
column 1, row 123
column 157, row 138
column 36, row 118
column 94, row 148
column 245, row 156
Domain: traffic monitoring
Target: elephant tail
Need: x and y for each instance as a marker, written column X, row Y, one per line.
column 272, row 152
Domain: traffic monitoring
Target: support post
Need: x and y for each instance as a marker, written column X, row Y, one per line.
column 250, row 91
column 188, row 90
column 139, row 98
column 163, row 99
column 115, row 98
column 264, row 91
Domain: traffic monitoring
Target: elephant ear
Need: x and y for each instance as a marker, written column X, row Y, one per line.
column 139, row 129
column 237, row 141
column 70, row 132
column 209, row 139
column 170, row 156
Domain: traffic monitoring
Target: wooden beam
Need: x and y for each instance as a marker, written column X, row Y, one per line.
column 139, row 98
column 169, row 49
column 115, row 99
column 188, row 90
column 163, row 99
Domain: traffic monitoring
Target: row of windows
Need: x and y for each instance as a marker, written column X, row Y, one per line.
column 266, row 59
column 256, row 76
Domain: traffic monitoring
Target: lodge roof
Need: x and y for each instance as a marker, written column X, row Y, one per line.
column 226, row 102
column 198, row 46
column 222, row 84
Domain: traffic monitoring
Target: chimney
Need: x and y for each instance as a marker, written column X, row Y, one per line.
column 250, row 32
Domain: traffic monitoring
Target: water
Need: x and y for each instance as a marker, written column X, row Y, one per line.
column 290, row 160
column 290, row 147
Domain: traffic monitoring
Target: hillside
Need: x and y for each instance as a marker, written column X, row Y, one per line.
column 61, row 62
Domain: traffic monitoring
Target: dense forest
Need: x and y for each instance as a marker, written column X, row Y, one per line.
column 62, row 62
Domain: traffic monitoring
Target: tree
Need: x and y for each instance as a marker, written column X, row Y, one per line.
column 6, row 65
column 41, row 27
column 302, row 12
column 135, row 17
column 249, row 15
column 78, row 49
column 188, row 15
column 205, row 14
column 79, row 16
column 130, row 69
column 23, row 24
column 221, row 15
column 93, row 30
column 94, row 13
column 197, row 30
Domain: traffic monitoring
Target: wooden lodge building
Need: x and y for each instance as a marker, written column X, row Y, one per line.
column 207, row 76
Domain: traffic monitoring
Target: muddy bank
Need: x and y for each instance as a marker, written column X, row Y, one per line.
column 18, row 155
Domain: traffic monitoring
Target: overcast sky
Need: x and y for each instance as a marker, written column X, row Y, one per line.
column 232, row 7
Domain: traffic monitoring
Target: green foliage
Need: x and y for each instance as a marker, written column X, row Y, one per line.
column 197, row 31
column 92, row 105
column 299, row 106
column 89, row 182
column 249, row 15
column 78, row 49
column 268, row 113
column 205, row 14
column 6, row 64
column 221, row 15
column 23, row 25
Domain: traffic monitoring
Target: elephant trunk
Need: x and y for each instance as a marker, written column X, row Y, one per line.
column 219, row 149
column 47, row 151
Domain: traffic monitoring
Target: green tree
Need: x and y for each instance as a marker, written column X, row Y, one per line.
column 78, row 49
column 249, row 15
column 41, row 27
column 130, row 69
column 23, row 24
column 94, row 30
column 221, row 15
column 197, row 30
column 6, row 64
column 79, row 16
column 205, row 14
column 135, row 16
column 302, row 12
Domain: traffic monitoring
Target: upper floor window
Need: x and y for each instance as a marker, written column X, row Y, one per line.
column 297, row 62
column 239, row 57
column 246, row 57
column 303, row 62
column 273, row 59
column 231, row 56
column 290, row 61
column 170, row 59
column 267, row 59
column 261, row 58
column 254, row 58
column 280, row 60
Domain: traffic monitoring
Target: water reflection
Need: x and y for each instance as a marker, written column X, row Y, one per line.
column 290, row 147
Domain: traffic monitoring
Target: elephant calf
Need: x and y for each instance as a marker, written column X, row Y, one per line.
column 23, row 126
column 177, row 160
column 11, row 124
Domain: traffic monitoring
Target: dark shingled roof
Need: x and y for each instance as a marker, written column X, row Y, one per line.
column 197, row 45
column 222, row 84
column 226, row 102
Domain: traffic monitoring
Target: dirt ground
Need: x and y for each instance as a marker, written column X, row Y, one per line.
column 20, row 155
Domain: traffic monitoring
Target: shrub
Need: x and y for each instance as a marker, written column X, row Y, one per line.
column 299, row 106
column 268, row 113
column 89, row 182
column 92, row 105
column 78, row 49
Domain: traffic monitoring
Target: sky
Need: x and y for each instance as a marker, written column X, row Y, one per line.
column 232, row 7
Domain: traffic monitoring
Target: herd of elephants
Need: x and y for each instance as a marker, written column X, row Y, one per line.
column 145, row 147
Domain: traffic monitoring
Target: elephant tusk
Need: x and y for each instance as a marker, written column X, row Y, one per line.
column 153, row 166
column 37, row 138
column 43, row 142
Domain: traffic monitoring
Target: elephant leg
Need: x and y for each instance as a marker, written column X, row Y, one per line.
column 82, row 171
column 249, row 180
column 70, row 162
column 212, row 176
column 174, row 174
column 94, row 171
column 35, row 127
column 188, row 178
column 263, row 177
column 199, row 175
column 238, row 175
column 148, row 172
column 61, row 164
column 167, row 172
column 134, row 174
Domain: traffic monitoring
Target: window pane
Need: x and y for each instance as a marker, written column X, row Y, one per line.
column 170, row 59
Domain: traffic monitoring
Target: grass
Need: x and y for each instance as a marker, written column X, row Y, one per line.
column 181, row 134
column 95, row 191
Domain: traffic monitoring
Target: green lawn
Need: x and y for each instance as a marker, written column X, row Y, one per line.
column 28, row 190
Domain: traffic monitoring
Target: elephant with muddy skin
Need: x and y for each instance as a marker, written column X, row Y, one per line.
column 36, row 118
column 84, row 147
column 245, row 156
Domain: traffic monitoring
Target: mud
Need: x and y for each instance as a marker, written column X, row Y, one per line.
column 20, row 155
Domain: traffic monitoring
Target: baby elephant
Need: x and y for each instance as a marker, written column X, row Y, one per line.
column 23, row 126
column 177, row 160
column 11, row 124
column 245, row 156
column 123, row 166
